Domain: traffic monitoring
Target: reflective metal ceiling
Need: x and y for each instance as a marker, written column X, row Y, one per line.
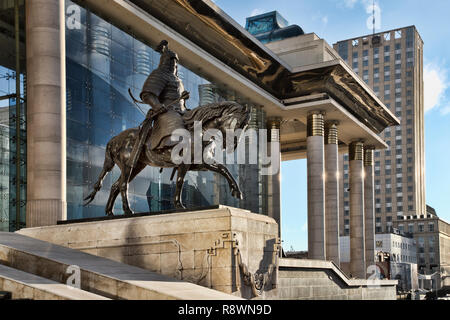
column 206, row 25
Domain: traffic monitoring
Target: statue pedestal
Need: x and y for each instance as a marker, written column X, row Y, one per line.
column 204, row 247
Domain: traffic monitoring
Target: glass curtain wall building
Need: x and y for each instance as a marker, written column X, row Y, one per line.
column 12, row 115
column 102, row 62
column 271, row 26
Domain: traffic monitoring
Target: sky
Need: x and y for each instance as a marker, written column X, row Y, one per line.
column 335, row 20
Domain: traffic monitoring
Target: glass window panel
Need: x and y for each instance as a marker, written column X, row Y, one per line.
column 103, row 63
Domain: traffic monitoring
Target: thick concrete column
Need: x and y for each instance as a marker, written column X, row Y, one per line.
column 46, row 112
column 332, row 192
column 357, row 229
column 274, row 180
column 369, row 205
column 316, row 186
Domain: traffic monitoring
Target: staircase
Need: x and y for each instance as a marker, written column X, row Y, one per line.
column 35, row 269
column 23, row 285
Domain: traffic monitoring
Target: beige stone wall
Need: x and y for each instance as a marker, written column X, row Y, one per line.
column 321, row 280
column 205, row 247
column 201, row 247
column 303, row 50
column 323, row 285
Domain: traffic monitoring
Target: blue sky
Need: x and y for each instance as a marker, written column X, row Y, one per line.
column 335, row 20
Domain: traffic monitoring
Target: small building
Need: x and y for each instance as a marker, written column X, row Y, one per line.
column 399, row 262
column 401, row 246
column 432, row 236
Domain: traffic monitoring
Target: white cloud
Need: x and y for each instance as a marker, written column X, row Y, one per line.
column 435, row 84
column 256, row 11
column 370, row 6
column 371, row 9
column 350, row 3
column 305, row 226
column 323, row 19
column 445, row 110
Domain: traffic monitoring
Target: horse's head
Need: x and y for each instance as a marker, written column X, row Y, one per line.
column 223, row 116
column 234, row 117
column 168, row 58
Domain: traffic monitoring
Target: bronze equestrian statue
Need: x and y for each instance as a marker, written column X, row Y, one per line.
column 151, row 145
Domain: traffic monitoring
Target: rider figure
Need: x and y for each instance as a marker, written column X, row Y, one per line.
column 160, row 90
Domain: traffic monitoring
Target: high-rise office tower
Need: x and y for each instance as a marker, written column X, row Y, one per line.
column 391, row 63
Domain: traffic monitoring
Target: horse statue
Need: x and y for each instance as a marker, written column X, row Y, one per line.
column 223, row 116
column 151, row 144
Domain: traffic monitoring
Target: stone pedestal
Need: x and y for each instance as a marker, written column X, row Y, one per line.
column 203, row 247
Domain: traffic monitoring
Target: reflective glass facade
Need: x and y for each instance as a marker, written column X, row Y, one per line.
column 102, row 62
column 265, row 22
column 271, row 26
column 12, row 188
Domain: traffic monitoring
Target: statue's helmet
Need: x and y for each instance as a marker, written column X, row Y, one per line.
column 163, row 49
column 162, row 46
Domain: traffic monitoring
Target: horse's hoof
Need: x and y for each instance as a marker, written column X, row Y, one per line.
column 179, row 205
column 128, row 213
column 237, row 194
column 110, row 214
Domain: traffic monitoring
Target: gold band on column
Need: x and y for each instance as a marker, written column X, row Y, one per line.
column 368, row 156
column 274, row 125
column 331, row 133
column 356, row 151
column 315, row 124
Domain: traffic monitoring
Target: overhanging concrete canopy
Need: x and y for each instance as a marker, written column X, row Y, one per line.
column 293, row 127
column 148, row 29
column 206, row 25
column 213, row 45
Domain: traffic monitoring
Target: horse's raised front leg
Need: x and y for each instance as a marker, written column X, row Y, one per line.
column 220, row 168
column 181, row 173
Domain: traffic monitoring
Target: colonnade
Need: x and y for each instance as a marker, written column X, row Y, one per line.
column 323, row 196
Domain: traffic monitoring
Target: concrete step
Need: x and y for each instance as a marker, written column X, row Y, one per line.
column 23, row 285
column 5, row 295
column 98, row 275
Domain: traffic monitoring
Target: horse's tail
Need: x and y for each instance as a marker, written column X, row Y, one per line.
column 108, row 165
